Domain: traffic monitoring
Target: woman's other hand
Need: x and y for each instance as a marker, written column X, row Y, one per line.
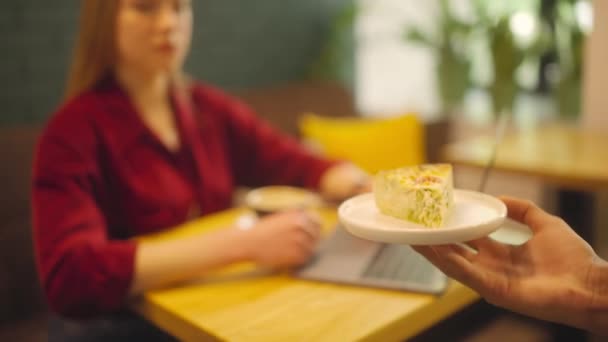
column 284, row 239
column 343, row 181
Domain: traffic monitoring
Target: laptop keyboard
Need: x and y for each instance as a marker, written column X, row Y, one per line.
column 400, row 262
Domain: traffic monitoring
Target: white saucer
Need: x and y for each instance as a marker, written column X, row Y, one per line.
column 474, row 215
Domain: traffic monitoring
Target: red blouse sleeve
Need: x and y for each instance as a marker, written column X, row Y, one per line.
column 260, row 154
column 83, row 271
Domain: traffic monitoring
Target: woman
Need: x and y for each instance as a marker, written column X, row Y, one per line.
column 138, row 148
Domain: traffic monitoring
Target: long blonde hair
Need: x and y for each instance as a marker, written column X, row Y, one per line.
column 94, row 54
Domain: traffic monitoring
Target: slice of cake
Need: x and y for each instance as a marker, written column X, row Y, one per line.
column 422, row 194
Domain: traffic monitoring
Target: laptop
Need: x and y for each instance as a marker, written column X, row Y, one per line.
column 346, row 259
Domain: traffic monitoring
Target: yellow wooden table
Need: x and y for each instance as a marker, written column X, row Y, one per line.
column 571, row 160
column 242, row 304
column 563, row 155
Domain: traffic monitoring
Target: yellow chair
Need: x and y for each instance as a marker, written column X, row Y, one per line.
column 371, row 143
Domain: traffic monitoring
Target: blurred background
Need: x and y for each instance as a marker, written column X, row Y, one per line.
column 457, row 64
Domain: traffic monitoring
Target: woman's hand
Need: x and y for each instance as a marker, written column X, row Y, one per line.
column 343, row 181
column 283, row 239
column 275, row 241
column 548, row 277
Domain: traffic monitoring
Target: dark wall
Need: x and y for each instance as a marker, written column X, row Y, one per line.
column 36, row 38
column 237, row 44
column 244, row 43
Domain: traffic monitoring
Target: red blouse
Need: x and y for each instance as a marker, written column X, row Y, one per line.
column 101, row 176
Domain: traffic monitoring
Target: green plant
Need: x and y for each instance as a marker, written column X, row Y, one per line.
column 454, row 40
column 509, row 52
column 449, row 45
column 506, row 58
column 569, row 40
column 494, row 32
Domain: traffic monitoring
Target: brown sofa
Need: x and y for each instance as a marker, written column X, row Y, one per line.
column 282, row 104
column 20, row 295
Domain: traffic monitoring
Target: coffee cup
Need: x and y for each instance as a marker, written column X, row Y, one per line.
column 272, row 199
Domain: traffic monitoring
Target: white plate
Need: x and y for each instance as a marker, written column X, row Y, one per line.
column 474, row 215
